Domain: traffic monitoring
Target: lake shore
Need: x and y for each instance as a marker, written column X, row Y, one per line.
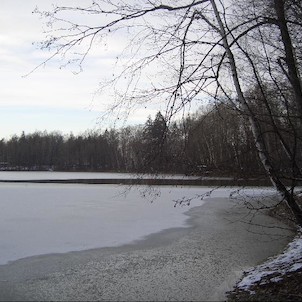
column 126, row 179
column 200, row 262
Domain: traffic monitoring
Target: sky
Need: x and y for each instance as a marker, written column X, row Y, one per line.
column 49, row 98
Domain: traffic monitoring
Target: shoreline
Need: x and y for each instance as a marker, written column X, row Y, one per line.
column 205, row 182
column 198, row 262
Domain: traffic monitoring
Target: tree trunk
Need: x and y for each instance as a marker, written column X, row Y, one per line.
column 293, row 73
column 258, row 137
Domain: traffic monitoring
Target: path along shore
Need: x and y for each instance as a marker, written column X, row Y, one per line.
column 198, row 263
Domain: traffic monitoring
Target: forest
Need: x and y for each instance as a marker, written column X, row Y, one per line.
column 213, row 141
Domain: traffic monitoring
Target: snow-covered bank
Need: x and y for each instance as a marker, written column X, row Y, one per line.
column 274, row 269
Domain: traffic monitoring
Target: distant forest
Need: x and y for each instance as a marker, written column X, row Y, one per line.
column 216, row 141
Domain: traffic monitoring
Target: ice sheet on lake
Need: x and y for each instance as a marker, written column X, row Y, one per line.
column 52, row 218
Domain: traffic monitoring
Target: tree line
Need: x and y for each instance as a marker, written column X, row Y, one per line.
column 212, row 141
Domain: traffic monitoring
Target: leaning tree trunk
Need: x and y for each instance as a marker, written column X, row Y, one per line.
column 258, row 137
column 290, row 60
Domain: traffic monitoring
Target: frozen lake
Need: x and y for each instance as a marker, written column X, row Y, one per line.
column 48, row 218
column 40, row 219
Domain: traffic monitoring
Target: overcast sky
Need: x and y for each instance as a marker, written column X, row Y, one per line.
column 49, row 98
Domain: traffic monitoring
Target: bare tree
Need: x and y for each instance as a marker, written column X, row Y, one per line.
column 201, row 49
